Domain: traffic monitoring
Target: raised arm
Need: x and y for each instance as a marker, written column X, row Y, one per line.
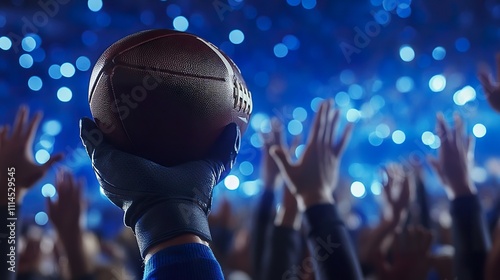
column 312, row 179
column 470, row 233
column 166, row 207
column 18, row 173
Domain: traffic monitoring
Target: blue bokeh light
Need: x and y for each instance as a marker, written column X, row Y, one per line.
column 293, row 3
column 41, row 218
column 26, row 60
column 462, row 44
column 64, row 94
column 437, row 83
column 83, row 63
column 291, row 42
column 299, row 114
column 438, row 53
column 48, row 190
column 67, row 70
column 52, row 127
column 181, row 23
column 404, row 84
column 406, row 53
column 5, row 43
column 246, row 168
column 35, row 83
column 55, row 71
column 94, row 5
column 236, row 36
column 308, row 4
column 280, row 50
column 295, row 127
column 28, row 43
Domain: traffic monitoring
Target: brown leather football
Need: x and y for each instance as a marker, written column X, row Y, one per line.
column 166, row 95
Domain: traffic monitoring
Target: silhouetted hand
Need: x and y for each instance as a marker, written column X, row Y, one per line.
column 65, row 213
column 455, row 159
column 16, row 151
column 313, row 177
column 491, row 87
column 397, row 192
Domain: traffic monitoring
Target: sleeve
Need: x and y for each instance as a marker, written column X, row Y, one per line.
column 470, row 237
column 188, row 261
column 8, row 244
column 262, row 220
column 332, row 253
column 284, row 252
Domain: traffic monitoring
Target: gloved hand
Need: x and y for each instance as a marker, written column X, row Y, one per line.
column 160, row 202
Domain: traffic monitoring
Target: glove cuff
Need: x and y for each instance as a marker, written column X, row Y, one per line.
column 164, row 221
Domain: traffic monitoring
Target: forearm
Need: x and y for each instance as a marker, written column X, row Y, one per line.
column 470, row 237
column 285, row 252
column 330, row 245
column 262, row 220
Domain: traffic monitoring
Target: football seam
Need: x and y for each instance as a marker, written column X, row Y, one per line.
column 175, row 73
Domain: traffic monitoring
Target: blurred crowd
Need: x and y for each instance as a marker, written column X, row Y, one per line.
column 273, row 238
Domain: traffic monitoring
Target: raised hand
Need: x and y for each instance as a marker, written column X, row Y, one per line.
column 16, row 151
column 397, row 192
column 455, row 159
column 146, row 190
column 491, row 88
column 65, row 215
column 65, row 212
column 314, row 175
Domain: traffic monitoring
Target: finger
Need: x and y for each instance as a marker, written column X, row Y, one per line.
column 33, row 127
column 459, row 131
column 277, row 129
column 282, row 160
column 497, row 59
column 344, row 140
column 331, row 118
column 20, row 121
column 486, row 82
column 442, row 129
column 470, row 148
column 315, row 128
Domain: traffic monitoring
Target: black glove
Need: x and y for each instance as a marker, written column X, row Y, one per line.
column 160, row 202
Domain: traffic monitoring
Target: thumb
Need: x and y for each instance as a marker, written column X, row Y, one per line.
column 226, row 148
column 282, row 160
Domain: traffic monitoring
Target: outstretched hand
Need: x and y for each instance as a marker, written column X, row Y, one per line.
column 491, row 87
column 397, row 192
column 456, row 157
column 16, row 151
column 314, row 176
column 65, row 212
